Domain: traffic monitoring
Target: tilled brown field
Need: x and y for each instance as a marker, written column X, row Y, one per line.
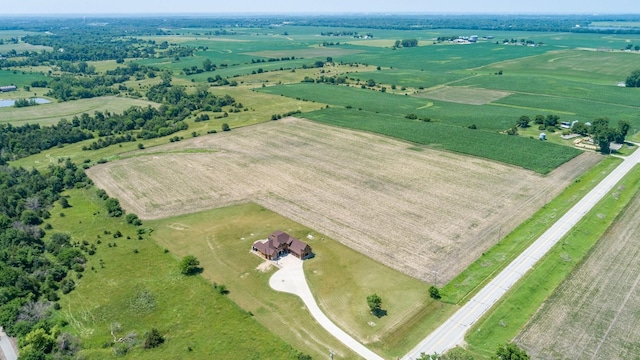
column 594, row 313
column 415, row 211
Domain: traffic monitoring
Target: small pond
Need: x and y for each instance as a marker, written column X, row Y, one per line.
column 10, row 102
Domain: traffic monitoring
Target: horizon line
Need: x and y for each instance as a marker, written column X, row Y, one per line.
column 313, row 13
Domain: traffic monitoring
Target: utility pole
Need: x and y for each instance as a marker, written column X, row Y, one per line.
column 435, row 277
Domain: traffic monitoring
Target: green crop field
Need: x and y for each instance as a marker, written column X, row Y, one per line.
column 18, row 78
column 585, row 65
column 410, row 77
column 524, row 152
column 553, row 86
column 384, row 114
column 441, row 58
column 572, row 109
column 452, row 113
column 196, row 321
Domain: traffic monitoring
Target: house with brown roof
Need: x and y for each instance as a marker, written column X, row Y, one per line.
column 280, row 243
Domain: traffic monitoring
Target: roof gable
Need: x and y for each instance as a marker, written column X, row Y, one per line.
column 298, row 246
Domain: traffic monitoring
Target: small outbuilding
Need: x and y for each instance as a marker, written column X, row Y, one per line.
column 615, row 146
column 8, row 88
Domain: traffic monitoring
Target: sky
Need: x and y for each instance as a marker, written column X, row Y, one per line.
column 320, row 6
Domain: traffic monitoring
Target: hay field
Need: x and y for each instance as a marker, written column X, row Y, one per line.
column 48, row 114
column 594, row 313
column 415, row 211
column 311, row 52
column 463, row 95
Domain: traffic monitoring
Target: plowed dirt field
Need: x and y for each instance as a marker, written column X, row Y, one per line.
column 414, row 209
column 594, row 313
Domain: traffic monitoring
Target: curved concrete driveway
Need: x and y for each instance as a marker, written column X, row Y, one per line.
column 290, row 279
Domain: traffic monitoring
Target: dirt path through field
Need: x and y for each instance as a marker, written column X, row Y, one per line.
column 416, row 211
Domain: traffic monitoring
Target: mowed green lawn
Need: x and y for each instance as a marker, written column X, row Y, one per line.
column 196, row 321
column 339, row 277
column 48, row 114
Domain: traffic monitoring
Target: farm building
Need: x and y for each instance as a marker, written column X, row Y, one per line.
column 615, row 146
column 280, row 243
column 8, row 88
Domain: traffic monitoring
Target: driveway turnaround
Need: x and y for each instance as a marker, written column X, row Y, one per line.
column 290, row 279
column 452, row 332
column 6, row 347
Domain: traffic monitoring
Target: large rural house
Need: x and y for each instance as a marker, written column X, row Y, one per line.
column 280, row 243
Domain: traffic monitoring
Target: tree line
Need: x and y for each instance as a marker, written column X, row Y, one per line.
column 112, row 128
column 34, row 269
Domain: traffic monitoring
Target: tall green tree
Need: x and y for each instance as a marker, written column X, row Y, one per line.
column 580, row 128
column 539, row 119
column 623, row 130
column 152, row 339
column 523, row 121
column 633, row 80
column 207, row 65
column 409, row 42
column 113, row 207
column 374, row 302
column 551, row 120
column 602, row 134
column 434, row 292
column 511, row 351
column 189, row 265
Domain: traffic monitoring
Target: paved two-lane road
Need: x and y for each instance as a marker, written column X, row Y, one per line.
column 452, row 332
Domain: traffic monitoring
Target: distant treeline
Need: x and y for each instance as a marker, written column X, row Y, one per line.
column 20, row 141
column 546, row 23
column 122, row 29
